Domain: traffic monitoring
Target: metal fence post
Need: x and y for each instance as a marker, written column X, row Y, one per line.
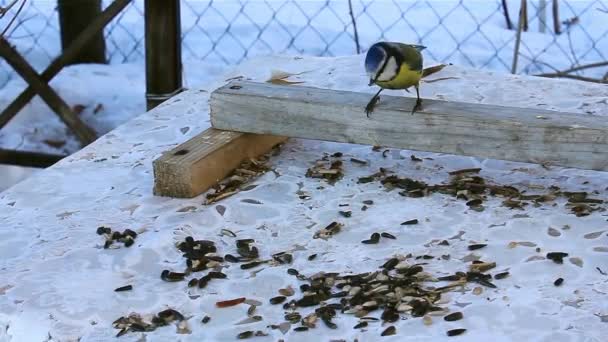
column 163, row 50
column 75, row 16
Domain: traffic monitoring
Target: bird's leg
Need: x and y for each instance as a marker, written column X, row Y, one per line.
column 418, row 106
column 372, row 103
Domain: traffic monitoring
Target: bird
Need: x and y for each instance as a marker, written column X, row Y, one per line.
column 392, row 65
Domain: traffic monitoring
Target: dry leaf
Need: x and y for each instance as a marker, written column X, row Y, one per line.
column 280, row 77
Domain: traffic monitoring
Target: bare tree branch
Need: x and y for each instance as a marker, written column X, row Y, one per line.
column 505, row 10
column 566, row 73
column 352, row 18
column 4, row 10
column 575, row 77
column 14, row 17
column 520, row 26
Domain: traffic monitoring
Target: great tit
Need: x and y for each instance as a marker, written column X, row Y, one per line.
column 393, row 65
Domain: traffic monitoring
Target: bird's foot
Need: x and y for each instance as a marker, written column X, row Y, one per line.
column 370, row 105
column 417, row 107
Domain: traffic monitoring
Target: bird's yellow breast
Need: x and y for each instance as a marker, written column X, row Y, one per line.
column 405, row 78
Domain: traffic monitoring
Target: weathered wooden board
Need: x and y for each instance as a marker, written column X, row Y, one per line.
column 196, row 165
column 472, row 129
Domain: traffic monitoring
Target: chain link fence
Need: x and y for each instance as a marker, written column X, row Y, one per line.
column 466, row 32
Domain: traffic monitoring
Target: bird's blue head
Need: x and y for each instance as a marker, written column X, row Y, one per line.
column 376, row 55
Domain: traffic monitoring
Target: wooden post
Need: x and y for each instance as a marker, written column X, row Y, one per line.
column 68, row 55
column 163, row 51
column 471, row 129
column 74, row 17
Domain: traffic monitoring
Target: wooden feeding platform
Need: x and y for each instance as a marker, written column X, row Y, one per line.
column 249, row 118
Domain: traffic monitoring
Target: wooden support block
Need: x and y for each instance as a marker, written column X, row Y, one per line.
column 472, row 129
column 196, row 165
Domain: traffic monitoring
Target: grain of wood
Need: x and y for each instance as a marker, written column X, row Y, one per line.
column 472, row 129
column 196, row 165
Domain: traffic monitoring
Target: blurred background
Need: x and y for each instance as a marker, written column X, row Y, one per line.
column 557, row 38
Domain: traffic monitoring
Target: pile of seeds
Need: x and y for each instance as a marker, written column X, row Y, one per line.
column 475, row 189
column 136, row 323
column 236, row 181
column 328, row 168
column 397, row 289
column 127, row 237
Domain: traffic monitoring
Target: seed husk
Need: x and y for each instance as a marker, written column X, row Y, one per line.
column 169, row 276
column 360, row 325
column 373, row 239
column 277, row 300
column 124, row 288
column 245, row 334
column 388, row 235
column 456, row 332
column 501, row 275
column 231, row 258
column 390, row 264
column 300, row 329
column 129, row 232
column 103, row 230
column 558, row 281
column 287, row 292
column 230, row 302
column 389, row 331
column 205, row 319
column 454, row 316
column 312, row 257
column 346, row 213
column 216, row 275
column 251, row 265
column 476, row 246
column 129, row 241
column 409, row 222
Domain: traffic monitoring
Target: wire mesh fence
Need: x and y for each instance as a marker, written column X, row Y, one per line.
column 466, row 32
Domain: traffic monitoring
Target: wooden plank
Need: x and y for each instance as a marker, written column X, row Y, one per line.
column 28, row 159
column 83, row 132
column 163, row 51
column 68, row 55
column 472, row 129
column 74, row 17
column 196, row 165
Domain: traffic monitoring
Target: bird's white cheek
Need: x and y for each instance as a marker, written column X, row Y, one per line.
column 390, row 70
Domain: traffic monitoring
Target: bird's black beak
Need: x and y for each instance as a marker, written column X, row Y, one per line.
column 371, row 82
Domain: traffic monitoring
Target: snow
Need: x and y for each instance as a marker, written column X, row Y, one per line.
column 55, row 273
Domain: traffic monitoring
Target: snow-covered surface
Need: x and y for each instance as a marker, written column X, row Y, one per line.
column 470, row 33
column 56, row 281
